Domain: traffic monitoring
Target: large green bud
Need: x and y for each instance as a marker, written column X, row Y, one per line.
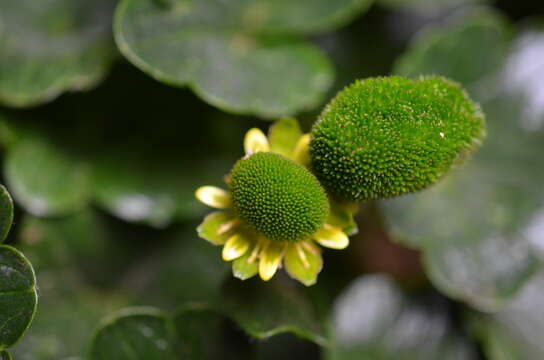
column 277, row 197
column 387, row 136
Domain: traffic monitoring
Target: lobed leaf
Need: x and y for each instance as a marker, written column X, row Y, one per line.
column 240, row 56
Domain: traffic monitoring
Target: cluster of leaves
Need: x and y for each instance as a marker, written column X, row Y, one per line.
column 105, row 179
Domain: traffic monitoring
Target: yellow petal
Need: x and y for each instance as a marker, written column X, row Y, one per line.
column 331, row 237
column 217, row 227
column 303, row 264
column 255, row 141
column 214, row 197
column 246, row 266
column 236, row 246
column 283, row 136
column 302, row 150
column 301, row 254
column 270, row 260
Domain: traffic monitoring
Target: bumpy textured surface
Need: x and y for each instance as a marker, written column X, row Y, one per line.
column 384, row 137
column 277, row 197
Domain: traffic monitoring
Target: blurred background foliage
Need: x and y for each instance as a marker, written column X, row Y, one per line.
column 112, row 113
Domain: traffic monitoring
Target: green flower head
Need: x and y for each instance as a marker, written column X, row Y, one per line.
column 275, row 212
column 277, row 197
column 387, row 136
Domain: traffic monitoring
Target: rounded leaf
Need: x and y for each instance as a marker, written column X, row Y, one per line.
column 53, row 46
column 18, row 297
column 134, row 333
column 44, row 179
column 6, row 213
column 372, row 316
column 239, row 56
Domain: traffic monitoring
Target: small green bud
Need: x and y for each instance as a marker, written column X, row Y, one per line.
column 387, row 136
column 277, row 197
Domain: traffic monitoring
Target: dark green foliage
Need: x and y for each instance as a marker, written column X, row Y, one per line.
column 49, row 47
column 277, row 197
column 6, row 212
column 231, row 52
column 134, row 333
column 387, row 136
column 109, row 176
column 18, row 297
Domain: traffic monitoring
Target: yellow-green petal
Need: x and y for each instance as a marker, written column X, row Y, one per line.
column 270, row 260
column 255, row 141
column 214, row 197
column 284, row 136
column 217, row 227
column 302, row 151
column 301, row 264
column 332, row 237
column 246, row 266
column 236, row 246
column 341, row 215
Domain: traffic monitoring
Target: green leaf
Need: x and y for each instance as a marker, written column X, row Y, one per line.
column 266, row 309
column 136, row 173
column 205, row 334
column 53, row 46
column 231, row 54
column 486, row 274
column 134, row 333
column 172, row 270
column 372, row 319
column 442, row 50
column 472, row 226
column 523, row 73
column 198, row 329
column 80, row 243
column 65, row 319
column 18, row 297
column 7, row 133
column 72, row 256
column 6, row 213
column 515, row 333
column 45, row 179
column 429, row 6
column 286, row 346
column 201, row 335
column 144, row 190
